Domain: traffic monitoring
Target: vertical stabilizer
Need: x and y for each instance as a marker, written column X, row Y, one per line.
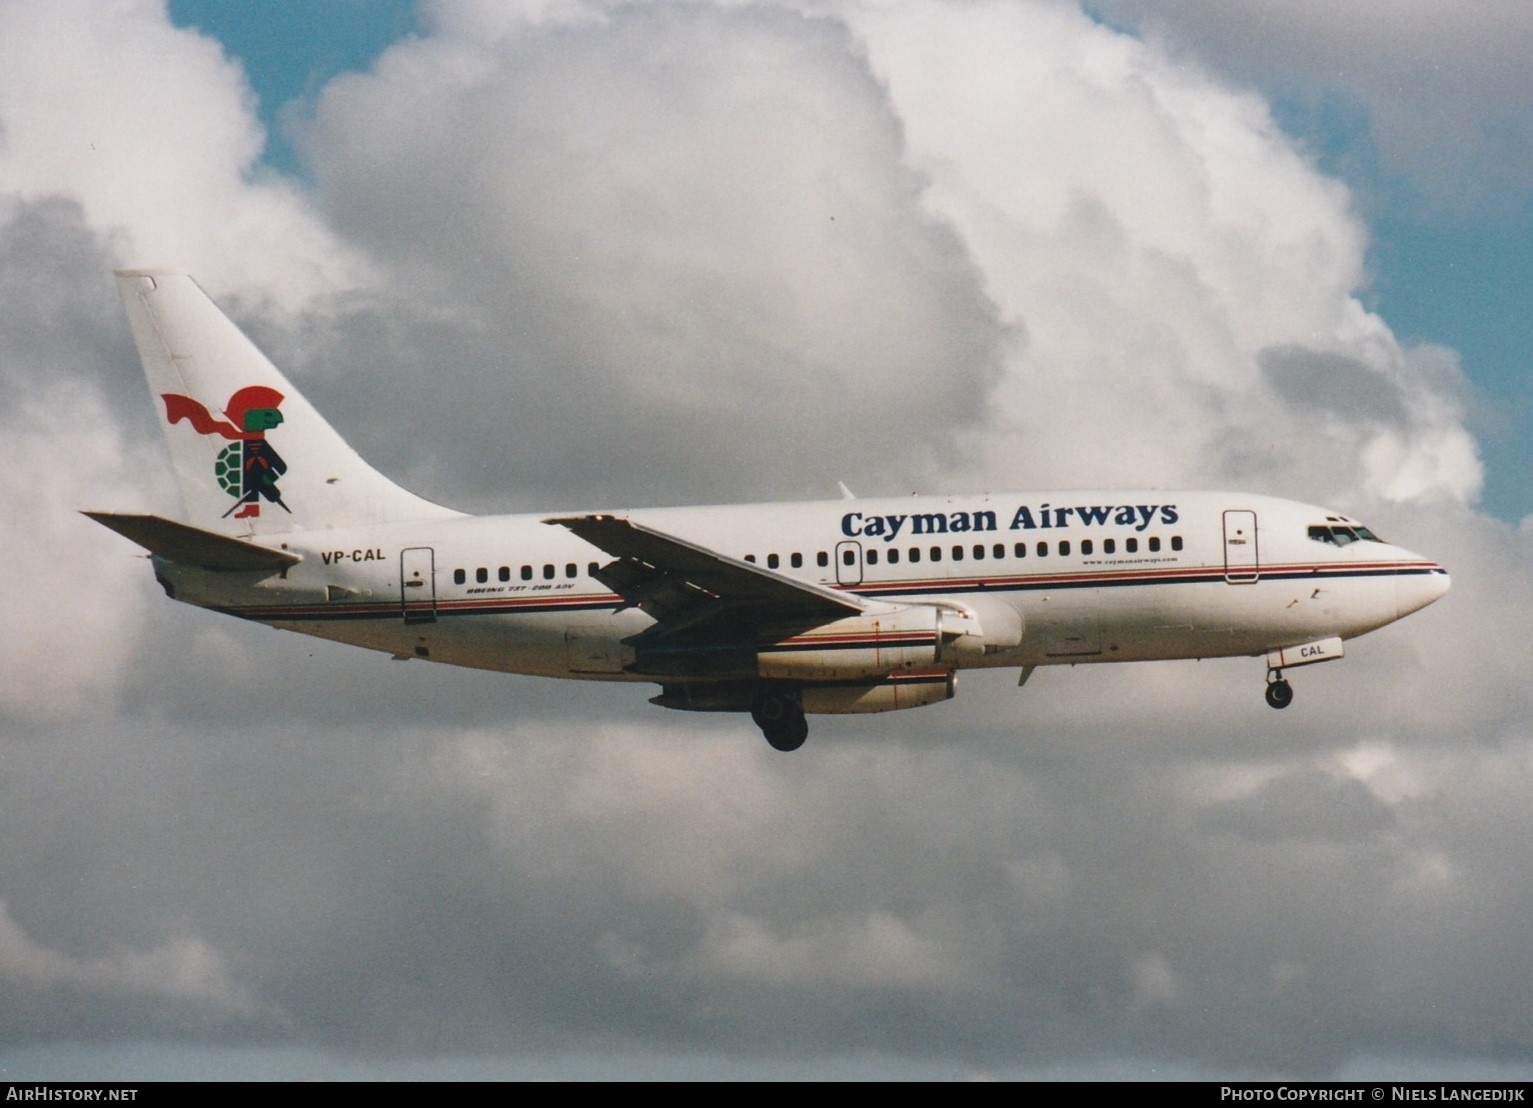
column 251, row 455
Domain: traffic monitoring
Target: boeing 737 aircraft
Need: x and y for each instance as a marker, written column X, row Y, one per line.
column 776, row 610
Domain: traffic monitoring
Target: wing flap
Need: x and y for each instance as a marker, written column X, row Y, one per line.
column 181, row 542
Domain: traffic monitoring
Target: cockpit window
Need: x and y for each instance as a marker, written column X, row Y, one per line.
column 1338, row 534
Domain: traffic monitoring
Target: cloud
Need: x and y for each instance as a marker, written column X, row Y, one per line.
column 1177, row 240
column 1446, row 101
column 1333, row 384
column 717, row 251
column 186, row 972
column 879, row 952
column 75, row 603
column 149, row 128
column 1305, row 805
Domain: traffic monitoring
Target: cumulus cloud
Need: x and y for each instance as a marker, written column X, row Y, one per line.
column 1308, row 804
column 149, row 128
column 717, row 251
column 683, row 252
column 1177, row 242
column 185, row 971
column 1445, row 99
column 69, row 444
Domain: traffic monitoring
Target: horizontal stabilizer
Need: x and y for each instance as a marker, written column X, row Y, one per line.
column 180, row 542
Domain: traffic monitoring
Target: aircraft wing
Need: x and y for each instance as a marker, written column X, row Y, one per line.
column 678, row 582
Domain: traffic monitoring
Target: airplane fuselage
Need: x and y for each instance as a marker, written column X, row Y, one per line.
column 1051, row 578
column 779, row 610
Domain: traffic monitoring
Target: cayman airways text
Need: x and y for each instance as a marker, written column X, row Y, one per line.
column 1025, row 518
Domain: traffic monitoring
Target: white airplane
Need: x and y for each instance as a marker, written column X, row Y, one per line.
column 778, row 610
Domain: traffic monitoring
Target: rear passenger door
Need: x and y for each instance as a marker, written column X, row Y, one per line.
column 417, row 584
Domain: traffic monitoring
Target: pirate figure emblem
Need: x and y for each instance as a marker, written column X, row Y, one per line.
column 248, row 468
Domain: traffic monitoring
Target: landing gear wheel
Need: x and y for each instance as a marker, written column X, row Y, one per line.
column 787, row 734
column 1279, row 693
column 781, row 719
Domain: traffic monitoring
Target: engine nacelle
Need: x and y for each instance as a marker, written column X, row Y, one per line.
column 911, row 689
column 861, row 646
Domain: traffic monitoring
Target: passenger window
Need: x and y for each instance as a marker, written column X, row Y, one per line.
column 822, row 559
column 591, row 569
column 848, row 557
column 894, row 555
column 998, row 550
column 1109, row 546
column 548, row 572
column 772, row 561
column 979, row 550
column 1064, row 547
column 505, row 573
column 1155, row 544
column 459, row 576
column 936, row 553
column 1042, row 550
column 915, row 553
column 872, row 557
column 481, row 575
column 571, row 569
column 1131, row 545
column 957, row 553
column 526, row 573
column 797, row 560
column 750, row 558
column 1086, row 546
column 1176, row 542
column 1020, row 549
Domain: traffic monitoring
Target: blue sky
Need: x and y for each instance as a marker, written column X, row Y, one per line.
column 290, row 49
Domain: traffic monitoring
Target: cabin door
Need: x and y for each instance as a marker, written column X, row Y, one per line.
column 1241, row 563
column 417, row 584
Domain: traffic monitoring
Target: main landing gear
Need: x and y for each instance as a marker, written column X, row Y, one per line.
column 1279, row 692
column 780, row 715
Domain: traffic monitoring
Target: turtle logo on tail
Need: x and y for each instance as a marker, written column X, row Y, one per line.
column 248, row 468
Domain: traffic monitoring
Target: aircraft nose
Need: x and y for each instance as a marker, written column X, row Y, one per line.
column 1419, row 585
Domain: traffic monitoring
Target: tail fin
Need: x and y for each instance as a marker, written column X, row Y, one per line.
column 251, row 455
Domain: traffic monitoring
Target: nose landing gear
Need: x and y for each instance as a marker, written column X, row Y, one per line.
column 1279, row 691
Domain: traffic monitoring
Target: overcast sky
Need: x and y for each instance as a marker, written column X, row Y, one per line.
column 565, row 253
